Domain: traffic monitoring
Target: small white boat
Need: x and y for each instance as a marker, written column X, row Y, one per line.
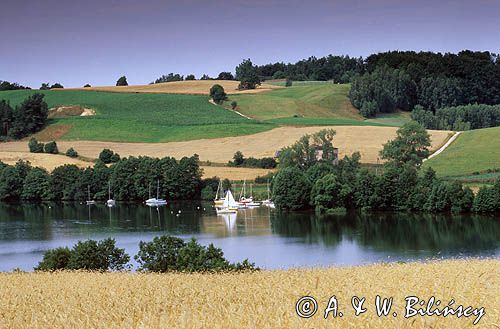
column 89, row 201
column 155, row 202
column 268, row 202
column 111, row 202
column 229, row 206
column 219, row 201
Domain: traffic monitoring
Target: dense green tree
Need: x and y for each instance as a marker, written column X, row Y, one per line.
column 36, row 185
column 94, row 255
column 291, row 189
column 328, row 193
column 54, row 259
column 63, row 180
column 122, row 81
column 225, row 76
column 6, row 117
column 6, row 85
column 12, row 180
column 87, row 85
column 71, row 153
column 45, row 86
column 35, row 146
column 106, row 155
column 234, row 105
column 248, row 75
column 57, row 85
column 218, row 94
column 29, row 117
column 410, row 146
column 190, row 77
column 51, row 147
column 205, row 77
column 171, row 77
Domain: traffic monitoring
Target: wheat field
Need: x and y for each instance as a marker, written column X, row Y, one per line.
column 367, row 140
column 265, row 299
column 193, row 87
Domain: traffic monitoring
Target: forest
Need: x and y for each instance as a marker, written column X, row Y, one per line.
column 306, row 180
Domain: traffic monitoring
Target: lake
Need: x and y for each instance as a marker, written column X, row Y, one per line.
column 270, row 239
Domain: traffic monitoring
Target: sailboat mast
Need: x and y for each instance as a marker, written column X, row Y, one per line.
column 109, row 191
column 158, row 190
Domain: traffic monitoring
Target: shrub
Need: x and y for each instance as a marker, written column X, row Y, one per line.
column 288, row 83
column 87, row 86
column 234, row 104
column 54, row 259
column 35, row 146
column 106, row 156
column 56, row 85
column 217, row 93
column 71, row 153
column 190, row 77
column 51, row 147
column 97, row 256
column 169, row 253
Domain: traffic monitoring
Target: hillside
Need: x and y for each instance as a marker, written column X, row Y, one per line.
column 193, row 87
column 473, row 151
column 308, row 103
column 140, row 117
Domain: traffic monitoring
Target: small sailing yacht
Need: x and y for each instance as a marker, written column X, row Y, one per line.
column 268, row 202
column 155, row 202
column 111, row 202
column 219, row 195
column 252, row 203
column 89, row 201
column 230, row 206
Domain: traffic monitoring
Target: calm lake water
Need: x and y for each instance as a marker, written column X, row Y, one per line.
column 266, row 237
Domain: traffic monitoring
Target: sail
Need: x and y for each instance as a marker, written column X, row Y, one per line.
column 230, row 199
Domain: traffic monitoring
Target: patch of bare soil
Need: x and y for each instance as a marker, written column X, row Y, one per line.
column 52, row 132
column 70, row 110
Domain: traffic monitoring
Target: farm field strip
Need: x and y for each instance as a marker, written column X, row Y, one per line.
column 367, row 140
column 265, row 299
column 194, row 87
column 473, row 151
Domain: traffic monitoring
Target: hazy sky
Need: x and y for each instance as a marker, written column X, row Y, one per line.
column 96, row 41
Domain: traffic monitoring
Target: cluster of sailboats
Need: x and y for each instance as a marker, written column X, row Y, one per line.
column 226, row 204
column 151, row 202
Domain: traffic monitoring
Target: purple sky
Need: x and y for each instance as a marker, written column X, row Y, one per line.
column 96, row 41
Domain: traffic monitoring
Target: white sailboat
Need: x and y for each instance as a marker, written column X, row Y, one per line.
column 252, row 203
column 111, row 202
column 89, row 201
column 155, row 202
column 229, row 205
column 219, row 195
column 268, row 202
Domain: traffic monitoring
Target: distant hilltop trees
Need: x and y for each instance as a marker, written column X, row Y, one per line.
column 6, row 85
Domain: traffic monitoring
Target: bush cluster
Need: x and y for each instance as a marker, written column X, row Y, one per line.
column 25, row 119
column 239, row 160
column 163, row 254
column 39, row 147
column 108, row 156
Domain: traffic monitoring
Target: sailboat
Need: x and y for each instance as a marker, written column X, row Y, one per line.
column 252, row 203
column 111, row 202
column 268, row 202
column 89, row 201
column 229, row 206
column 219, row 195
column 155, row 202
column 247, row 201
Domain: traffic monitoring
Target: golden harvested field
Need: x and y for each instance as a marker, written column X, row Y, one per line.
column 233, row 173
column 366, row 139
column 47, row 161
column 250, row 300
column 194, row 87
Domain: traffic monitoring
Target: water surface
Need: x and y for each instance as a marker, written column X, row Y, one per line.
column 264, row 236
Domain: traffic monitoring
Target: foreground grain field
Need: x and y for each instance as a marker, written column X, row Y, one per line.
column 264, row 299
column 194, row 87
column 367, row 140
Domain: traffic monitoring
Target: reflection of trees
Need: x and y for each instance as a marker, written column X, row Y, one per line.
column 393, row 231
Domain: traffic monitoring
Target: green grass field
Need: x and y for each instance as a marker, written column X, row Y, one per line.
column 137, row 117
column 473, row 151
column 391, row 119
column 321, row 100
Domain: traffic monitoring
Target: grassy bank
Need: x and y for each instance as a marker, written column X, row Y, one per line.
column 473, row 151
column 140, row 117
column 251, row 300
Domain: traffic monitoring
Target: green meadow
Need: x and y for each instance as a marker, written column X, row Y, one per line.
column 135, row 117
column 473, row 151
